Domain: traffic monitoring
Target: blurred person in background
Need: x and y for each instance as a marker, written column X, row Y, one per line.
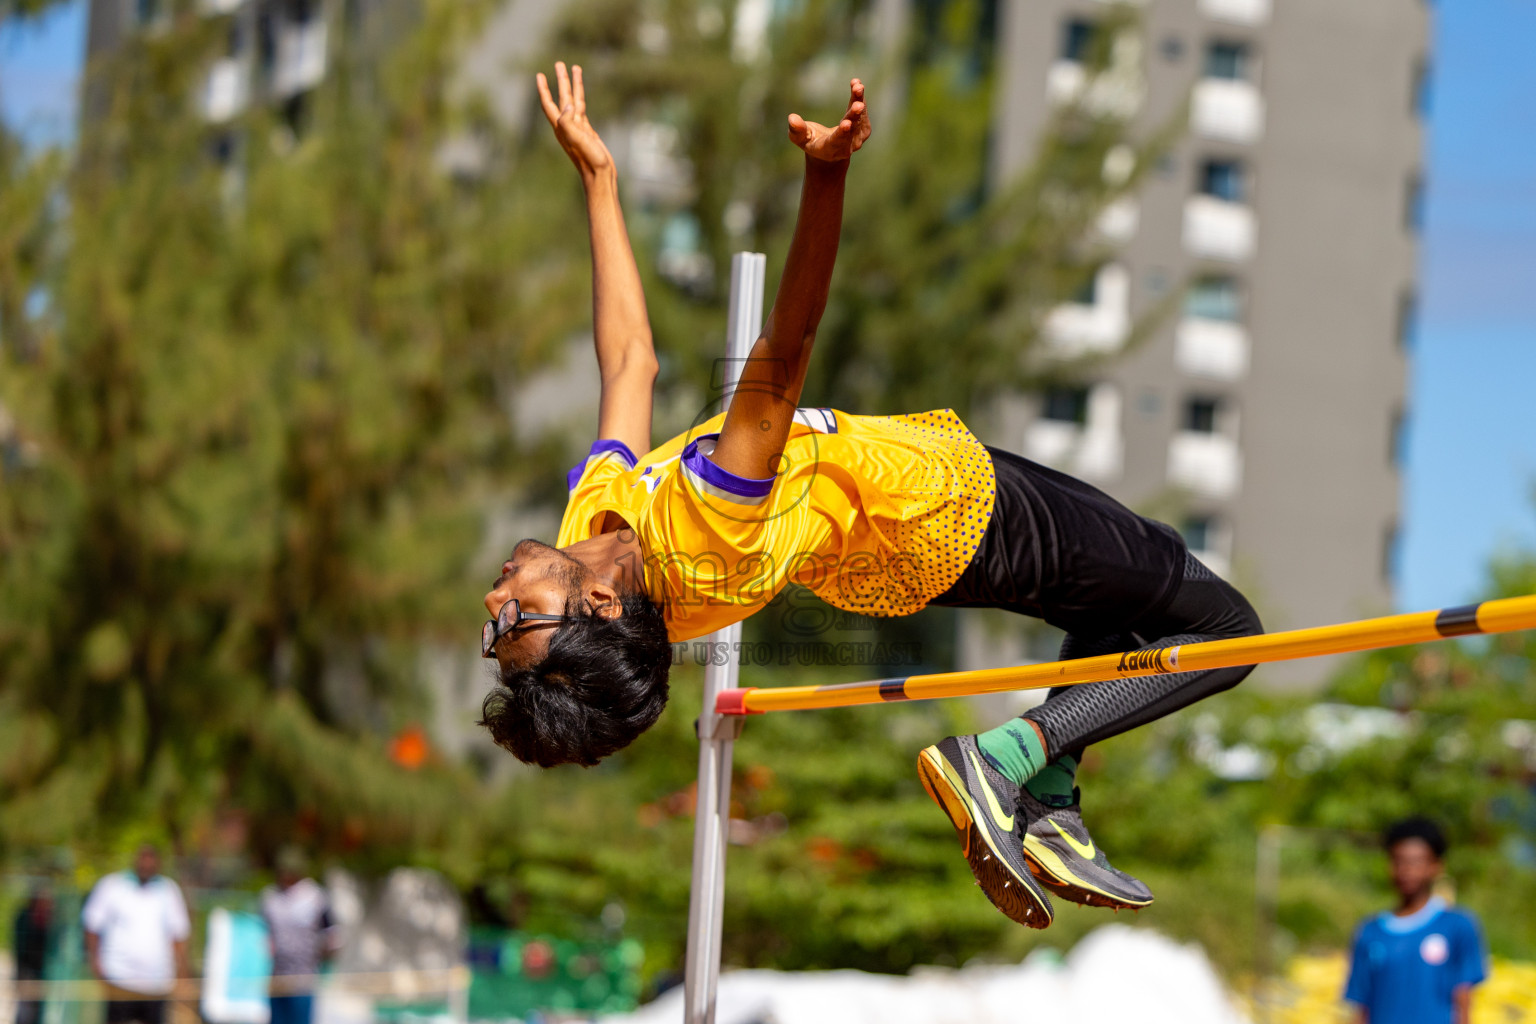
column 32, row 936
column 136, row 930
column 1416, row 964
column 298, row 917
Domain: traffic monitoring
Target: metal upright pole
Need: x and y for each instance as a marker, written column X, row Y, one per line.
column 717, row 733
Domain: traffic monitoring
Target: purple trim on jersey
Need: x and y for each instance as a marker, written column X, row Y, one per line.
column 697, row 463
column 604, row 446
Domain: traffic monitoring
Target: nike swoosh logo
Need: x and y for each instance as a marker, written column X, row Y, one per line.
column 1004, row 821
column 1086, row 849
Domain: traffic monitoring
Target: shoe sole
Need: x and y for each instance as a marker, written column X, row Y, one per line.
column 1052, row 872
column 1007, row 893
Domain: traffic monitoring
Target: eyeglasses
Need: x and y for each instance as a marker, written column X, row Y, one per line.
column 510, row 618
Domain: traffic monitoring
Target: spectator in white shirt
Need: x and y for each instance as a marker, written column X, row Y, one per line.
column 136, row 930
column 298, row 917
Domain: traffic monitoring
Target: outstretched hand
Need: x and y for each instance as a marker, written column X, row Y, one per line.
column 569, row 119
column 840, row 141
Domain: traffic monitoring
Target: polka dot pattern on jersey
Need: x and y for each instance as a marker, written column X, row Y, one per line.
column 931, row 515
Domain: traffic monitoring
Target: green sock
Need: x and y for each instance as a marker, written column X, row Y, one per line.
column 1014, row 749
column 1053, row 784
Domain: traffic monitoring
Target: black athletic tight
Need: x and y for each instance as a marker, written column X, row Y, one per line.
column 1205, row 607
column 1061, row 550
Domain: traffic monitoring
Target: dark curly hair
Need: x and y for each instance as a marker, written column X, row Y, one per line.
column 603, row 682
column 1416, row 828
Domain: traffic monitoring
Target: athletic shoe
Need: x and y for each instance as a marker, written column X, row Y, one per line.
column 1064, row 857
column 981, row 805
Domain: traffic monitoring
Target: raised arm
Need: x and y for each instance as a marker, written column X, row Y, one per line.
column 763, row 405
column 626, row 359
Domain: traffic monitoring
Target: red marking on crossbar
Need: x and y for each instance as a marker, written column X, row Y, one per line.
column 734, row 702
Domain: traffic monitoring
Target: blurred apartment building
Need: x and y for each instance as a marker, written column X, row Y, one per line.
column 1264, row 417
column 274, row 52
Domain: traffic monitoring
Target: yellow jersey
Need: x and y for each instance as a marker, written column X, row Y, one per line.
column 876, row 515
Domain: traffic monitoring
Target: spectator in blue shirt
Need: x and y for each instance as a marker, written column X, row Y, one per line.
column 1418, row 963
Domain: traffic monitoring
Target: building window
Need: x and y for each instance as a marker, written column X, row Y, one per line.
column 146, row 11
column 1407, row 319
column 1390, row 553
column 1413, row 204
column 1066, row 405
column 1172, row 48
column 1199, row 532
column 1087, row 292
column 1201, row 414
column 1223, row 179
column 1397, row 440
column 1077, row 39
column 295, row 114
column 1213, row 298
column 1227, row 60
column 1419, row 94
column 682, row 258
column 222, row 148
column 266, row 40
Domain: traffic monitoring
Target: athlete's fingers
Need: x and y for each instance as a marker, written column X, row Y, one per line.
column 580, row 90
column 799, row 130
column 564, row 78
column 546, row 101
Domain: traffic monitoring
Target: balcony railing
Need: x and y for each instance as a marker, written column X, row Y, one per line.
column 1239, row 12
column 227, row 89
column 1117, row 91
column 1093, row 450
column 300, row 60
column 1079, row 329
column 1227, row 110
column 1206, row 464
column 1217, row 349
column 1216, row 229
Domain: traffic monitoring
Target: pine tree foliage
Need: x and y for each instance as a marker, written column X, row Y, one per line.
column 253, row 439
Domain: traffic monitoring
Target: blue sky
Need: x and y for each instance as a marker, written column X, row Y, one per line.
column 1471, row 478
column 39, row 65
column 1471, row 485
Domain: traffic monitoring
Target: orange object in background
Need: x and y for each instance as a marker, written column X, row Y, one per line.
column 823, row 849
column 409, row 749
column 538, row 959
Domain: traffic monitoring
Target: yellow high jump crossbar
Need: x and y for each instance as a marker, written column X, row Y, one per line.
column 1505, row 615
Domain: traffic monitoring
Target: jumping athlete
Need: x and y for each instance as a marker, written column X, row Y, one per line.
column 880, row 515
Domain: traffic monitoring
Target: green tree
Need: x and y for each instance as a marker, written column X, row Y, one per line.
column 256, row 432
